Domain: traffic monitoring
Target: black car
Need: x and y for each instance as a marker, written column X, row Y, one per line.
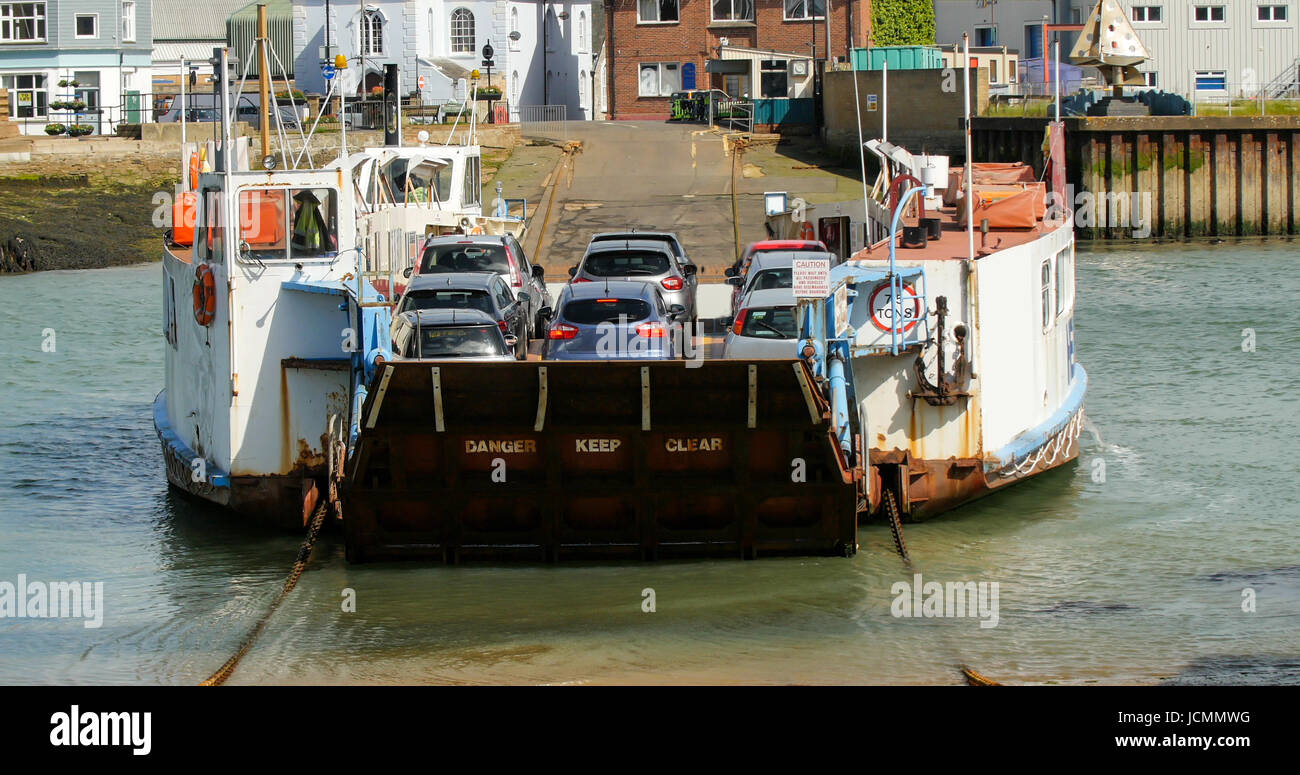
column 437, row 334
column 484, row 292
column 500, row 253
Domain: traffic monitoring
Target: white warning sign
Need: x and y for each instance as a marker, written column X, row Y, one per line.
column 811, row 278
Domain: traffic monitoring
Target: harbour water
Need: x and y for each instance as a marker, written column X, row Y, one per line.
column 1130, row 567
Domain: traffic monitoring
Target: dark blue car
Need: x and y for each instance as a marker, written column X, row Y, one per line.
column 615, row 320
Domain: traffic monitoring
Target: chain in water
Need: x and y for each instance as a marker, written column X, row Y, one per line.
column 304, row 555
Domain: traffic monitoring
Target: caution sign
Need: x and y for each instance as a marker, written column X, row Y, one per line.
column 883, row 308
column 811, row 278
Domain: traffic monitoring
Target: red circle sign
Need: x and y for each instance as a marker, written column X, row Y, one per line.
column 422, row 82
column 882, row 308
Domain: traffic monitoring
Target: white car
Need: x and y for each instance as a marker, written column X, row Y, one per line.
column 764, row 327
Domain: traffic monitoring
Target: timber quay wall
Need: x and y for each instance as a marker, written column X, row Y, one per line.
column 1172, row 177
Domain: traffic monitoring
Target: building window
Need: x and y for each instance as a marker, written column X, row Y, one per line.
column 659, row 79
column 1047, row 293
column 1270, row 13
column 986, row 36
column 582, row 89
column 1211, row 80
column 462, row 31
column 1011, row 71
column 1076, row 15
column 774, row 79
column 1146, row 14
column 87, row 25
column 514, row 29
column 372, row 34
column 552, row 29
column 658, row 11
column 733, row 10
column 1034, row 40
column 22, row 22
column 1151, row 79
column 797, row 10
column 26, row 94
column 582, row 31
column 128, row 22
column 1209, row 14
column 514, row 88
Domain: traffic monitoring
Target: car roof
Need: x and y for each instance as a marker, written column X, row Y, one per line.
column 448, row 317
column 466, row 239
column 452, row 280
column 632, row 234
column 769, row 297
column 786, row 244
column 616, row 289
column 616, row 245
column 777, row 259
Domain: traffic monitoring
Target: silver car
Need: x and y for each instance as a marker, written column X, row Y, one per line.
column 765, row 327
column 637, row 260
column 439, row 334
column 491, row 253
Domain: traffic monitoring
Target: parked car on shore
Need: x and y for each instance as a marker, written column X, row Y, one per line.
column 482, row 291
column 765, row 326
column 202, row 106
column 613, row 320
column 501, row 254
column 437, row 334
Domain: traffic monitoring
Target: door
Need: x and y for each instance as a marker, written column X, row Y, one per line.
column 87, row 91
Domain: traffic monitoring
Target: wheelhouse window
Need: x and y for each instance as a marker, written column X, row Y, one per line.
column 1147, row 14
column 1209, row 14
column 22, row 22
column 462, row 31
column 281, row 223
column 473, row 180
column 28, row 97
column 1046, row 272
column 798, row 10
column 733, row 10
column 658, row 11
column 372, row 34
column 87, row 25
column 659, row 79
column 1063, row 273
column 428, row 182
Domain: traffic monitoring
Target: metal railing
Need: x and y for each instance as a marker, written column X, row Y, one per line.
column 545, row 121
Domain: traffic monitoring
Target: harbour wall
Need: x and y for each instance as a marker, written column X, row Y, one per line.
column 1171, row 177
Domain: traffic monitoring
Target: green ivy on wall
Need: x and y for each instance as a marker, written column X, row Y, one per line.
column 902, row 22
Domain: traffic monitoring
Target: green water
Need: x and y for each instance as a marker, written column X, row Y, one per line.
column 1137, row 578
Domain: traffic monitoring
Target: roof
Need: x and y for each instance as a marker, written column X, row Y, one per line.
column 465, row 239
column 777, row 259
column 769, row 297
column 632, row 234
column 198, row 51
column 617, row 289
column 448, row 317
column 452, row 280
column 630, row 244
column 186, row 20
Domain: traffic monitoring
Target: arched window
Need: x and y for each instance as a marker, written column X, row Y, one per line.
column 582, row 30
column 514, row 88
column 582, row 89
column 514, row 29
column 462, row 31
column 372, row 34
column 552, row 29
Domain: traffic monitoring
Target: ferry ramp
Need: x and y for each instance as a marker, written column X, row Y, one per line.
column 561, row 460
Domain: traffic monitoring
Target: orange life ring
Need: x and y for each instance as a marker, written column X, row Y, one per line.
column 477, row 230
column 807, row 233
column 195, row 168
column 205, row 295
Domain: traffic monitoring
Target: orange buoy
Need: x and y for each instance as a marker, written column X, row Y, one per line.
column 807, row 233
column 205, row 295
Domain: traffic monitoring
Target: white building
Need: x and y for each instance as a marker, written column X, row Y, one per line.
column 542, row 51
column 1210, row 47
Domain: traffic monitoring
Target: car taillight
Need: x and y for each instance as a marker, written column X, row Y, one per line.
column 652, row 330
column 671, row 283
column 515, row 279
column 580, row 280
column 562, row 331
column 502, row 325
column 738, row 326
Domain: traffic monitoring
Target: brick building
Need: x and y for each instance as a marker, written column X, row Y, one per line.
column 657, row 47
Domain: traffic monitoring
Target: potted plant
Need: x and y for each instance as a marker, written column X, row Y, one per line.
column 489, row 93
column 55, row 129
column 76, row 105
column 80, row 130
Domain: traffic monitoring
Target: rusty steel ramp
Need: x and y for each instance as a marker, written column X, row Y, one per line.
column 562, row 460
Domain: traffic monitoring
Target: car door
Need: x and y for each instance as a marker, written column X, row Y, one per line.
column 513, row 312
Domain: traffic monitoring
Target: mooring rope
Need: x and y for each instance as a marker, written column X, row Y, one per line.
column 304, row 555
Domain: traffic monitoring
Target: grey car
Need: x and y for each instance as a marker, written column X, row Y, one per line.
column 638, row 260
column 483, row 291
column 765, row 326
column 668, row 238
column 491, row 253
column 613, row 320
column 437, row 334
column 203, row 107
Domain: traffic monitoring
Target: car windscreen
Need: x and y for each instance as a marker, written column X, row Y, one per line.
column 456, row 342
column 770, row 323
column 595, row 311
column 450, row 298
column 631, row 263
column 772, row 278
column 462, row 257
